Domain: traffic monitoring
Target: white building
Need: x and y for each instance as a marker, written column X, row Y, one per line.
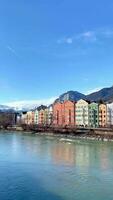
column 82, row 113
column 50, row 114
column 36, row 116
column 110, row 114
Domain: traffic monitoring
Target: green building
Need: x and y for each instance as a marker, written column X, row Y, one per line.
column 93, row 115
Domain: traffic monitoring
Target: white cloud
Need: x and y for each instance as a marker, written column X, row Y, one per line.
column 12, row 50
column 69, row 40
column 66, row 40
column 93, row 90
column 96, row 34
column 30, row 104
column 89, row 36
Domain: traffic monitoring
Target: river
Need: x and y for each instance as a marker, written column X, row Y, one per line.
column 36, row 167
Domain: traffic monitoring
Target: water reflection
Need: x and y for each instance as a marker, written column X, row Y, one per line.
column 78, row 153
column 64, row 154
column 83, row 154
column 40, row 167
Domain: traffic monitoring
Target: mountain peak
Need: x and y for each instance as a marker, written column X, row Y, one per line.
column 71, row 95
column 104, row 94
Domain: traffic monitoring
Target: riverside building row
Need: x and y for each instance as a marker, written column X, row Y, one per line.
column 69, row 113
column 42, row 115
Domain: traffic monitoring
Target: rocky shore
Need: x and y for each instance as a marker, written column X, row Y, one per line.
column 98, row 134
column 67, row 137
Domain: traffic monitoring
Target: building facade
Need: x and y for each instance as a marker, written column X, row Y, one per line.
column 94, row 115
column 68, row 113
column 110, row 114
column 50, row 114
column 23, row 119
column 57, row 114
column 30, row 117
column 42, row 115
column 64, row 113
column 36, row 116
column 82, row 113
column 102, row 115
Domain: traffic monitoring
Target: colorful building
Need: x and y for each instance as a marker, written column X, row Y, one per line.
column 64, row 113
column 30, row 117
column 94, row 115
column 50, row 114
column 102, row 115
column 42, row 115
column 82, row 113
column 46, row 116
column 110, row 114
column 57, row 114
column 68, row 113
column 36, row 116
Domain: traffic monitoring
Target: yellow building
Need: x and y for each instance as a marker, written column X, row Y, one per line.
column 42, row 113
column 102, row 115
column 30, row 117
column 36, row 116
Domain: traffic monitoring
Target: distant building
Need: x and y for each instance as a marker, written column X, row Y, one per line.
column 23, row 119
column 57, row 114
column 50, row 114
column 18, row 118
column 36, row 116
column 82, row 113
column 102, row 115
column 42, row 115
column 110, row 114
column 30, row 117
column 94, row 115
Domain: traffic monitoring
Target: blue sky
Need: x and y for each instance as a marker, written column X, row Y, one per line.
column 50, row 46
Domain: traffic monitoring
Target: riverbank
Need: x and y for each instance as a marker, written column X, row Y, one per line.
column 68, row 137
column 97, row 134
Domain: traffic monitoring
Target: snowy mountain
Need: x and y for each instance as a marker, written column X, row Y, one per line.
column 105, row 94
column 5, row 108
column 29, row 105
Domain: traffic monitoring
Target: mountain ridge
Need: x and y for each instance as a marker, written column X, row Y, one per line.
column 105, row 94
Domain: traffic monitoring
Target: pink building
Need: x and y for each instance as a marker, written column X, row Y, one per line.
column 64, row 113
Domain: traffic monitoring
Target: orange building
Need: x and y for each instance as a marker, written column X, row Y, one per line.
column 64, row 113
column 29, row 118
column 57, row 114
column 42, row 112
column 102, row 115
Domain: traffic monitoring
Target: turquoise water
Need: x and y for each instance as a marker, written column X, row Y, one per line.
column 48, row 168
